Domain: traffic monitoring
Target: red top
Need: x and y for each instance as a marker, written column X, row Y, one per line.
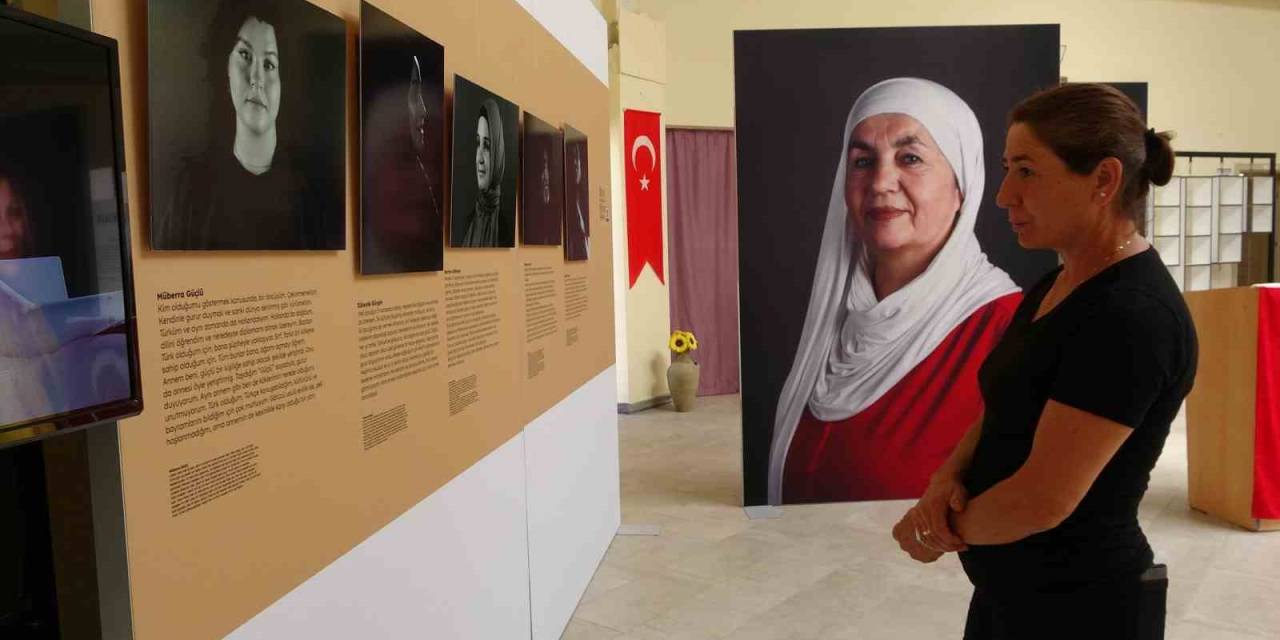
column 888, row 450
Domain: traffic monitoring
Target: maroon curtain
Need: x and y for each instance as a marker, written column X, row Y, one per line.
column 702, row 202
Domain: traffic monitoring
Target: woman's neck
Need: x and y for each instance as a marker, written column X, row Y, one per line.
column 891, row 271
column 254, row 151
column 1098, row 249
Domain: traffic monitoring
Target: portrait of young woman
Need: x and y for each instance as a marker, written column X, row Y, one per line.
column 247, row 125
column 486, row 161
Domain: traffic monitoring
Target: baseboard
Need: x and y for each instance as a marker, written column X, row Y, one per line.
column 634, row 407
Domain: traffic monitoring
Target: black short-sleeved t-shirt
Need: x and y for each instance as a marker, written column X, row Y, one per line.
column 1121, row 346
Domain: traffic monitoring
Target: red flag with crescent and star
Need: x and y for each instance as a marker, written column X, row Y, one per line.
column 641, row 133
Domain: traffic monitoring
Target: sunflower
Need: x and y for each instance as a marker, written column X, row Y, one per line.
column 678, row 343
column 682, row 342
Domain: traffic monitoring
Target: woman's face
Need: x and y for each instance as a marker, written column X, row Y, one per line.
column 253, row 72
column 13, row 223
column 1048, row 204
column 900, row 189
column 546, row 178
column 484, row 153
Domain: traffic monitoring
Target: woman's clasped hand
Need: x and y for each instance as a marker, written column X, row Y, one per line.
column 924, row 532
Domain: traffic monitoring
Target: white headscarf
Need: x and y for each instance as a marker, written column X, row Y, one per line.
column 880, row 341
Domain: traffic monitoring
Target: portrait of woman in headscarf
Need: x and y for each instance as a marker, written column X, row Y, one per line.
column 486, row 163
column 904, row 306
column 483, row 225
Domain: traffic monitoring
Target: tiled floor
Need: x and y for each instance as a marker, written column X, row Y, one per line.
column 834, row 572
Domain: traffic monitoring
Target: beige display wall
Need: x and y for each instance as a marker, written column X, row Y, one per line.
column 1209, row 64
column 226, row 516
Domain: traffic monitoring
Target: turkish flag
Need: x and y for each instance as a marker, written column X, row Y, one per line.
column 641, row 133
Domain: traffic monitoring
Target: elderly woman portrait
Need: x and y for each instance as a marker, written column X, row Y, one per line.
column 904, row 306
column 253, row 184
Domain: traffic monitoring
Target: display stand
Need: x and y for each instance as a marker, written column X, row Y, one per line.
column 1230, row 428
column 1213, row 224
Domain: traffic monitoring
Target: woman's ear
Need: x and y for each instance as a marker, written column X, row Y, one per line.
column 1108, row 178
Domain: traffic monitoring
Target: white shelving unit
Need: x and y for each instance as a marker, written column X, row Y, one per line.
column 1205, row 222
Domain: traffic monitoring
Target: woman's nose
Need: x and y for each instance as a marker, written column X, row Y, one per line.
column 1004, row 197
column 884, row 178
column 255, row 73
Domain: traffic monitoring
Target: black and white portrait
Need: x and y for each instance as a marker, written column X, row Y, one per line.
column 402, row 147
column 542, row 206
column 486, row 152
column 247, row 110
column 577, row 220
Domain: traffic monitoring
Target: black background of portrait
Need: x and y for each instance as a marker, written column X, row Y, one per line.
column 190, row 111
column 1137, row 92
column 401, row 216
column 467, row 98
column 576, row 237
column 794, row 89
column 539, row 223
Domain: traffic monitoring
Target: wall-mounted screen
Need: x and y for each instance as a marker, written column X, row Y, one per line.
column 68, row 352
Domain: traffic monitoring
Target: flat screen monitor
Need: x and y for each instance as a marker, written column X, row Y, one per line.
column 68, row 334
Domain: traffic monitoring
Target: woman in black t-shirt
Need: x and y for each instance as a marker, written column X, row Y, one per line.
column 1041, row 497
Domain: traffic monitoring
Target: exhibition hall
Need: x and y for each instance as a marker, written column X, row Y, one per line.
column 639, row 319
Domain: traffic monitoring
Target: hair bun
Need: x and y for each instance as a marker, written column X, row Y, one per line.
column 1159, row 164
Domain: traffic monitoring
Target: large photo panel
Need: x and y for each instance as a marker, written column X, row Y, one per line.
column 402, row 147
column 486, row 162
column 247, row 119
column 877, row 270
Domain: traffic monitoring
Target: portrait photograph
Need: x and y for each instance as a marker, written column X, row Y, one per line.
column 542, row 203
column 877, row 269
column 486, row 157
column 577, row 193
column 401, row 147
column 247, row 103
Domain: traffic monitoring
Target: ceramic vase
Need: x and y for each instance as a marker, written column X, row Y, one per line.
column 682, row 380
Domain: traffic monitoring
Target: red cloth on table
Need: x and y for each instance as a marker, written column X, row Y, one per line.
column 1266, row 448
column 889, row 449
